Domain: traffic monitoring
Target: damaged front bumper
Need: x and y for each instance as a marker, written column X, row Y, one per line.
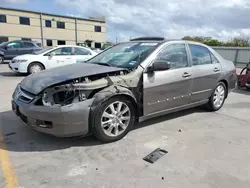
column 64, row 121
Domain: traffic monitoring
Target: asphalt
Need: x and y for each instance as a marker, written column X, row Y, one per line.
column 205, row 150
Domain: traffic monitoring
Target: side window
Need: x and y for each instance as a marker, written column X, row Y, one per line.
column 28, row 45
column 14, row 45
column 81, row 51
column 175, row 54
column 63, row 51
column 214, row 59
column 200, row 55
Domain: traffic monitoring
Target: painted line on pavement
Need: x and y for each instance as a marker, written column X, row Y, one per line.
column 7, row 168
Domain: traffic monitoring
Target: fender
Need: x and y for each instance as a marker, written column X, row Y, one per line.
column 111, row 91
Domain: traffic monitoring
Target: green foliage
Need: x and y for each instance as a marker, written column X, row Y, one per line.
column 240, row 42
column 106, row 45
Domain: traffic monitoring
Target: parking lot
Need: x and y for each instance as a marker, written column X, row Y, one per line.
column 205, row 150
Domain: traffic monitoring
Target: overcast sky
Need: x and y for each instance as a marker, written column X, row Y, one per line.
column 222, row 19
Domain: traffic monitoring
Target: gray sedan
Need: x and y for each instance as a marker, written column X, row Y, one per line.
column 129, row 82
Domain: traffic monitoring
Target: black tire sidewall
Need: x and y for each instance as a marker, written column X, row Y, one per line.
column 96, row 119
column 211, row 101
column 2, row 61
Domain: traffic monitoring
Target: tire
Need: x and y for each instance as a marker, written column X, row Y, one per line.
column 217, row 96
column 107, row 133
column 1, row 59
column 35, row 67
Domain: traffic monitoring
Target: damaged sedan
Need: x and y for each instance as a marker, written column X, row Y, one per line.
column 127, row 83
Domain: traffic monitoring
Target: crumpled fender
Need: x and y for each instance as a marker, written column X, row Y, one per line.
column 111, row 91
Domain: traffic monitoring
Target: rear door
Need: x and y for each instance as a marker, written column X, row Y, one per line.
column 81, row 54
column 28, row 48
column 206, row 72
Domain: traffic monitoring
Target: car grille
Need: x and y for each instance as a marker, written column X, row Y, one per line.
column 22, row 95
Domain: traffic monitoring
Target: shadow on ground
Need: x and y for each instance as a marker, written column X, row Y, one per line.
column 21, row 138
column 242, row 91
column 12, row 74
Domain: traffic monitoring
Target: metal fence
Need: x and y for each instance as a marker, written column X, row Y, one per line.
column 239, row 55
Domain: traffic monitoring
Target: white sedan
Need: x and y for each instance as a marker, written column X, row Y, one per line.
column 50, row 57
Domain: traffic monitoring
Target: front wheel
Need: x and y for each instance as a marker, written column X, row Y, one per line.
column 113, row 119
column 218, row 97
column 34, row 68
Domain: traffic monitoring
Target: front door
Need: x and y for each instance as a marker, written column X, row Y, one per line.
column 13, row 49
column 168, row 89
column 206, row 72
column 60, row 57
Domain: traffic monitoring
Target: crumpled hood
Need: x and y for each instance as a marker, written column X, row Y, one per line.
column 37, row 82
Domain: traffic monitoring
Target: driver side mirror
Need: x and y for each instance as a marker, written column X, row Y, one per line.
column 52, row 54
column 159, row 65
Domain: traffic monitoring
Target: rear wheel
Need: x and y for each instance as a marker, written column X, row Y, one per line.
column 113, row 119
column 218, row 97
column 1, row 59
column 34, row 68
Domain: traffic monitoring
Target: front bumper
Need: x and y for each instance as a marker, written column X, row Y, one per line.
column 18, row 67
column 65, row 121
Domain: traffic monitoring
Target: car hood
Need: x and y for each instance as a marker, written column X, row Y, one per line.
column 37, row 82
column 25, row 56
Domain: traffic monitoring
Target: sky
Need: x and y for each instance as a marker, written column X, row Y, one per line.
column 173, row 19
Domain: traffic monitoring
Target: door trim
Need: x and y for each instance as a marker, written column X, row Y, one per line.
column 171, row 110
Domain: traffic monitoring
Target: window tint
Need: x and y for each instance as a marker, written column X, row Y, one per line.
column 98, row 29
column 28, row 45
column 63, row 51
column 175, row 55
column 200, row 55
column 60, row 25
column 81, row 51
column 214, row 59
column 24, row 21
column 2, row 18
column 3, row 39
column 14, row 45
column 49, row 42
column 61, row 42
column 47, row 23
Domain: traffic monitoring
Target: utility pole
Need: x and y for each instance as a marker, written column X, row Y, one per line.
column 116, row 39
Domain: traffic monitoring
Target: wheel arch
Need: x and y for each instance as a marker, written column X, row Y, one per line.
column 108, row 93
column 226, row 84
column 33, row 62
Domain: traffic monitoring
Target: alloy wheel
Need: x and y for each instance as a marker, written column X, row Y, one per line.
column 219, row 96
column 115, row 118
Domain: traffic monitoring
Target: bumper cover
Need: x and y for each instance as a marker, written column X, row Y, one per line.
column 66, row 121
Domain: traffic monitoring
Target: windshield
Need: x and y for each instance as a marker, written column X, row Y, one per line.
column 42, row 51
column 125, row 55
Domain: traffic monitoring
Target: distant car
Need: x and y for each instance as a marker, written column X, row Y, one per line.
column 50, row 57
column 12, row 49
column 129, row 82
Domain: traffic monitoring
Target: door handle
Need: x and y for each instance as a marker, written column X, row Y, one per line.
column 216, row 69
column 186, row 75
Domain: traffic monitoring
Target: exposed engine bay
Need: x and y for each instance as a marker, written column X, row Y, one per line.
column 81, row 89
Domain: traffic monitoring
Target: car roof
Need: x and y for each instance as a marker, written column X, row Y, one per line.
column 70, row 46
column 162, row 40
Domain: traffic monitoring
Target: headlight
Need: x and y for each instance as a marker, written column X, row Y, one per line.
column 21, row 61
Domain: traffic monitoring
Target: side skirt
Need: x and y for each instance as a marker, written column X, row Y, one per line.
column 171, row 110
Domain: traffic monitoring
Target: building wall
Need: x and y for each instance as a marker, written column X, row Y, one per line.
column 85, row 28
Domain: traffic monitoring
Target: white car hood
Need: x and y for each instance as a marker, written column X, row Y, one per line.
column 25, row 56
